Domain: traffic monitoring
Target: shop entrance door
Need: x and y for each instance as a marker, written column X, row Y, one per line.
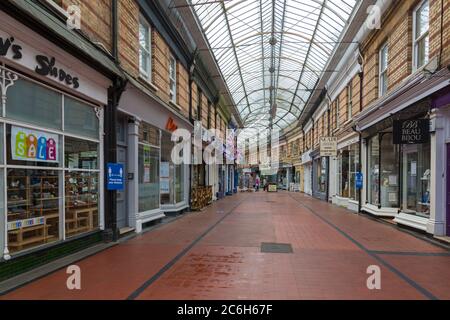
column 122, row 216
column 448, row 189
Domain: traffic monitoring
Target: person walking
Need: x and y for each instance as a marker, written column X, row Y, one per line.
column 257, row 182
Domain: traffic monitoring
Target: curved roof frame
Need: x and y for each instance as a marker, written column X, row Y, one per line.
column 272, row 53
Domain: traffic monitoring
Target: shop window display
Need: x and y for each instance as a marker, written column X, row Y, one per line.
column 344, row 187
column 383, row 171
column 149, row 196
column 416, row 179
column 353, row 169
column 33, row 205
column 172, row 180
column 42, row 183
column 321, row 174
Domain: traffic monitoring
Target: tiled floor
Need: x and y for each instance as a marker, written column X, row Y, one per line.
column 216, row 254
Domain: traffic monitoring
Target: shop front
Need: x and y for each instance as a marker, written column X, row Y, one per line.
column 299, row 177
column 307, row 172
column 156, row 186
column 347, row 165
column 319, row 176
column 51, row 144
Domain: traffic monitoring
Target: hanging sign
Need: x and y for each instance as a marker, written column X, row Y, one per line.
column 32, row 145
column 328, row 146
column 411, row 131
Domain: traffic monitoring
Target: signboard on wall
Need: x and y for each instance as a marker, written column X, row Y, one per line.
column 411, row 131
column 33, row 145
column 328, row 146
column 115, row 176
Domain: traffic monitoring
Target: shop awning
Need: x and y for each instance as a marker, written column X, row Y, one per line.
column 413, row 90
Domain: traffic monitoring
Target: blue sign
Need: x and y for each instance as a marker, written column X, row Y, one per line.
column 115, row 180
column 359, row 180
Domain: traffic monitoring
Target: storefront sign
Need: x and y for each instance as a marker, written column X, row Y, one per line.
column 46, row 67
column 328, row 146
column 358, row 181
column 32, row 145
column 115, row 180
column 171, row 125
column 411, row 131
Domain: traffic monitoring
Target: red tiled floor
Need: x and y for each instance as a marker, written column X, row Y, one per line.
column 332, row 250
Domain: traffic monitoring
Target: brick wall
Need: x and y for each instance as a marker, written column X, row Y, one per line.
column 128, row 42
column 95, row 19
column 435, row 30
column 160, row 63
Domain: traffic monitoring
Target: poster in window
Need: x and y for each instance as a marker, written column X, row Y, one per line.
column 146, row 174
column 164, row 186
column 164, row 171
column 33, row 145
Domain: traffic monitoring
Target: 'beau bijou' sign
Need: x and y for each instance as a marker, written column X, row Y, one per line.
column 411, row 131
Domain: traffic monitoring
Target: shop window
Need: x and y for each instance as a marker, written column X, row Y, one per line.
column 416, row 179
column 344, row 187
column 321, row 174
column 383, row 73
column 29, row 147
column 145, row 49
column 81, row 154
column 33, row 207
column 80, row 118
column 149, row 196
column 34, row 104
column 353, row 169
column 171, row 175
column 374, row 170
column 383, row 171
column 82, row 194
column 148, row 134
column 173, row 79
column 421, row 39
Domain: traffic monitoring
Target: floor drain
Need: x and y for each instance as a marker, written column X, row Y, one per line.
column 271, row 247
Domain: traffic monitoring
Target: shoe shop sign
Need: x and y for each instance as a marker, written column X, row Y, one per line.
column 411, row 131
column 56, row 65
column 32, row 145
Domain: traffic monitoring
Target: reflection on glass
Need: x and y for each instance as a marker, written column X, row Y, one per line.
column 389, row 183
column 374, row 170
column 416, row 179
column 81, row 154
column 33, row 207
column 148, row 178
column 80, row 118
column 32, row 103
column 81, row 202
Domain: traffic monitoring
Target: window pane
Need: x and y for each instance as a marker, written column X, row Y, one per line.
column 423, row 49
column 80, row 119
column 374, row 170
column 422, row 19
column 389, row 184
column 148, row 178
column 25, row 153
column 33, row 208
column 144, row 37
column 81, row 202
column 81, row 154
column 29, row 102
column 148, row 134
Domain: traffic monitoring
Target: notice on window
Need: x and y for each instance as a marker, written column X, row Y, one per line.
column 147, row 174
column 392, row 197
column 32, row 145
column 414, row 168
column 164, row 186
column 392, row 180
column 164, row 171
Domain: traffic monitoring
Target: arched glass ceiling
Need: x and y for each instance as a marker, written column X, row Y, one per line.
column 272, row 52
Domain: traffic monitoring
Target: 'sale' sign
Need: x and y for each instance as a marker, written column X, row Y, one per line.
column 411, row 131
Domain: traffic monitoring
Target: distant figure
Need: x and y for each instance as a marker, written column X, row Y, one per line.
column 257, row 182
column 264, row 184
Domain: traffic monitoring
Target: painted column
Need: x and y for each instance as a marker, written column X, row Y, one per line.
column 436, row 223
column 133, row 168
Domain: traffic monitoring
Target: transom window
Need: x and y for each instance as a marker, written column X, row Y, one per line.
column 421, row 38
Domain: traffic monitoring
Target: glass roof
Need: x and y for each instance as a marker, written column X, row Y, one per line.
column 272, row 52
